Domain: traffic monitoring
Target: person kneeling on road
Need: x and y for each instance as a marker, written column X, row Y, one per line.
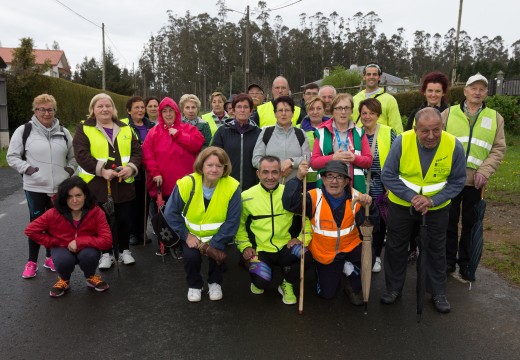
column 273, row 232
column 336, row 241
column 75, row 230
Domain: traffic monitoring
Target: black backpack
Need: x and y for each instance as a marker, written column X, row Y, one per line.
column 27, row 131
column 300, row 135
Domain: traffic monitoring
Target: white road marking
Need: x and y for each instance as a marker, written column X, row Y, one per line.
column 23, row 202
column 2, row 215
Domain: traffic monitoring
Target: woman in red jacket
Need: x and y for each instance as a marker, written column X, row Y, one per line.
column 75, row 230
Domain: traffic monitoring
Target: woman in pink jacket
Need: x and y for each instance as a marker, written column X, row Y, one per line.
column 339, row 139
column 75, row 230
column 169, row 150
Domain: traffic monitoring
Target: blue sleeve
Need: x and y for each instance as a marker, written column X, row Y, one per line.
column 226, row 233
column 390, row 173
column 173, row 214
column 456, row 179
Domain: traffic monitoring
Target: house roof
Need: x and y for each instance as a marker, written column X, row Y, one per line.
column 54, row 56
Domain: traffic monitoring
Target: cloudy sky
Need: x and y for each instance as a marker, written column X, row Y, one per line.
column 130, row 23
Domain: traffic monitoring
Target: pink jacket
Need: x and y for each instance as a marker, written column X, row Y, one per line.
column 52, row 229
column 319, row 160
column 172, row 157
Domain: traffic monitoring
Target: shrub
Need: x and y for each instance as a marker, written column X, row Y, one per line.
column 508, row 107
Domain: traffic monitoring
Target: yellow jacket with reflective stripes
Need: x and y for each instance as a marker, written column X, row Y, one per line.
column 410, row 170
column 99, row 148
column 476, row 140
column 202, row 222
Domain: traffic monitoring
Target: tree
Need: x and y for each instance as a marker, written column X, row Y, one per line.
column 340, row 77
column 24, row 60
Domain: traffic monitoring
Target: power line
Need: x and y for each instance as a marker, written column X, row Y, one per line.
column 115, row 47
column 81, row 16
column 284, row 6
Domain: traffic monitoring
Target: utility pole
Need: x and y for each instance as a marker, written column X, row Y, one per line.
column 455, row 60
column 246, row 74
column 103, row 82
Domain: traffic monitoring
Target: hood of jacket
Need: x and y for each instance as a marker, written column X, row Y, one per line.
column 38, row 126
column 306, row 123
column 171, row 103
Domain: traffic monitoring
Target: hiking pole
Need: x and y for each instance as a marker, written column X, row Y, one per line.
column 145, row 209
column 302, row 252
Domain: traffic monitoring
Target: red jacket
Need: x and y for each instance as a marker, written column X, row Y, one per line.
column 52, row 229
column 172, row 157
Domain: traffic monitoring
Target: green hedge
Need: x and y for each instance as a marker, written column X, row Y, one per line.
column 72, row 99
column 410, row 101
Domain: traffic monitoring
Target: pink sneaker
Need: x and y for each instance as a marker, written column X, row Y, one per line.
column 30, row 270
column 49, row 264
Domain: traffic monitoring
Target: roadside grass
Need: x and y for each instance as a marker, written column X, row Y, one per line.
column 501, row 248
column 3, row 161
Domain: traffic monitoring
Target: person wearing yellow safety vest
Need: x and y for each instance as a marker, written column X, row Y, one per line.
column 423, row 171
column 380, row 137
column 107, row 150
column 481, row 132
column 336, row 242
column 390, row 115
column 268, row 234
column 265, row 113
column 218, row 115
column 204, row 208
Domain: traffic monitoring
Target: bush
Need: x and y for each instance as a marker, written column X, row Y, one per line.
column 72, row 99
column 341, row 78
column 508, row 107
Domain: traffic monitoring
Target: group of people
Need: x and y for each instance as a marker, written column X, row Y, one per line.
column 239, row 179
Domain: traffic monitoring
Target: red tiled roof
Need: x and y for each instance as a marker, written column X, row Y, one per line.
column 41, row 55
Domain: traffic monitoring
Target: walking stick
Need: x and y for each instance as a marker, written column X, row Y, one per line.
column 302, row 253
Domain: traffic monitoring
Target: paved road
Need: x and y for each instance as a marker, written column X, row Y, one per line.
column 145, row 314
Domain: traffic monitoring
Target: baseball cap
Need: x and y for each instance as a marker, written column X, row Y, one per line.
column 475, row 78
column 336, row 166
column 254, row 85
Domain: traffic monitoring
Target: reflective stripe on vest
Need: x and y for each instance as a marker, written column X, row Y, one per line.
column 201, row 222
column 410, row 170
column 476, row 140
column 327, row 239
column 99, row 148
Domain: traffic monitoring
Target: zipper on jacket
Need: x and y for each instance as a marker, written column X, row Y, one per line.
column 272, row 220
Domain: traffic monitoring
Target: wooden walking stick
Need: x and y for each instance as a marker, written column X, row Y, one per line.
column 302, row 253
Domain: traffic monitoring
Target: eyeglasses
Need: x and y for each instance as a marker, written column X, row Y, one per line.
column 281, row 111
column 338, row 178
column 342, row 108
column 242, row 107
column 44, row 110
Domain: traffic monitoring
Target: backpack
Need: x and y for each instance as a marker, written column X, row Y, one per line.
column 27, row 131
column 300, row 135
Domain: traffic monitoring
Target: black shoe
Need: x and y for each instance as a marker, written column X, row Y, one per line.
column 356, row 299
column 450, row 269
column 389, row 298
column 441, row 303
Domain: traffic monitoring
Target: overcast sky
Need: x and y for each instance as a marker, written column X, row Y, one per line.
column 129, row 23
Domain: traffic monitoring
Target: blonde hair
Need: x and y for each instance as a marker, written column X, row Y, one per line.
column 313, row 100
column 217, row 93
column 222, row 156
column 340, row 97
column 189, row 97
column 93, row 102
column 43, row 99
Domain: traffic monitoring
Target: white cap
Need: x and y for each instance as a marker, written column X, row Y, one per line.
column 475, row 78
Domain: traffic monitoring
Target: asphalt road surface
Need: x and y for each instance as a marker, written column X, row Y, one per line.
column 145, row 314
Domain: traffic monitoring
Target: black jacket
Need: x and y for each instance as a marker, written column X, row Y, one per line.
column 239, row 148
column 411, row 118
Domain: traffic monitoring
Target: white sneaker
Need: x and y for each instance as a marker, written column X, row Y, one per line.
column 215, row 291
column 106, row 261
column 194, row 295
column 126, row 257
column 377, row 265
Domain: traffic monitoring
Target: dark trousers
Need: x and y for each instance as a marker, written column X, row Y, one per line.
column 400, row 228
column 123, row 220
column 288, row 262
column 138, row 205
column 38, row 203
column 329, row 275
column 192, row 263
column 65, row 261
column 378, row 237
column 468, row 197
